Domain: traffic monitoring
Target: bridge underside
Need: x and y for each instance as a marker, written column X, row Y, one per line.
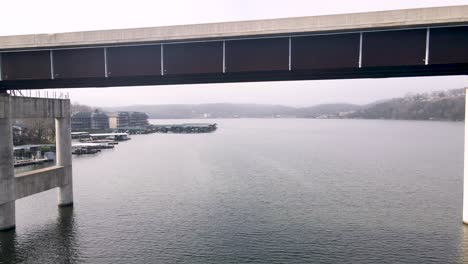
column 338, row 55
column 460, row 69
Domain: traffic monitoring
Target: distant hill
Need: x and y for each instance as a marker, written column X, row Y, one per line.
column 444, row 105
column 325, row 110
column 226, row 110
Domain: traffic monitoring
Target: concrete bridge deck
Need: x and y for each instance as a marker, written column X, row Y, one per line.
column 371, row 21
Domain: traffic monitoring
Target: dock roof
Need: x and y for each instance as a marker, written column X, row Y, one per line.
column 108, row 134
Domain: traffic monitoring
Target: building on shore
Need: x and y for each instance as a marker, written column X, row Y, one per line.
column 99, row 120
column 128, row 119
column 82, row 121
column 138, row 119
column 119, row 120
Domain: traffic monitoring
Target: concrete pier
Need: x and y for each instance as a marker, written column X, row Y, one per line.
column 64, row 155
column 7, row 187
column 13, row 187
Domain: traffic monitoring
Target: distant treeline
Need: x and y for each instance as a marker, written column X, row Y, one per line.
column 446, row 105
column 227, row 110
column 443, row 105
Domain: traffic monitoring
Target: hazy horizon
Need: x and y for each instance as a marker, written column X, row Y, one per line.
column 288, row 93
column 253, row 103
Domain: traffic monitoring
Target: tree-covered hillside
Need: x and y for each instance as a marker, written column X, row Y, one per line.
column 444, row 105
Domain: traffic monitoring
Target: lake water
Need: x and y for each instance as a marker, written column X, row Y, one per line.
column 259, row 191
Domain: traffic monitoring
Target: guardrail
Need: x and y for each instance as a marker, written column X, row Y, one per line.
column 52, row 94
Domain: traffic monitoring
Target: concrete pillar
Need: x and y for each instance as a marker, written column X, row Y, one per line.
column 465, row 178
column 7, row 184
column 64, row 158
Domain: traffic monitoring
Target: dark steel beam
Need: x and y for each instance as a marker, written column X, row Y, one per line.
column 377, row 72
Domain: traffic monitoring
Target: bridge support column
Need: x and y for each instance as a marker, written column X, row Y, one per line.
column 64, row 158
column 7, row 187
column 465, row 178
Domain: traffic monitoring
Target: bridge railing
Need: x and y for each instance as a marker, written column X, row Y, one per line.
column 47, row 94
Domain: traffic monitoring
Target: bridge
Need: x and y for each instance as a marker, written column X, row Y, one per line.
column 400, row 43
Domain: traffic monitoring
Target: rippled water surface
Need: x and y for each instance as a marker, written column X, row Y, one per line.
column 259, row 191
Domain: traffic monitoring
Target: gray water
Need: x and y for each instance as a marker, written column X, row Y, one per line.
column 259, row 191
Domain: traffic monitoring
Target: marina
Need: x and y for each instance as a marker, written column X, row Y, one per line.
column 86, row 143
column 33, row 154
column 189, row 128
column 185, row 128
column 89, row 144
column 92, row 143
column 84, row 151
column 110, row 136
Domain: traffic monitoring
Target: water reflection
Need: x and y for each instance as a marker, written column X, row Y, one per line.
column 55, row 242
column 8, row 246
column 259, row 191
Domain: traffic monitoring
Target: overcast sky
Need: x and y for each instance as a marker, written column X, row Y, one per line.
column 52, row 16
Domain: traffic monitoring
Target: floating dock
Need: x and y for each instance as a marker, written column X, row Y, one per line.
column 20, row 163
column 184, row 128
